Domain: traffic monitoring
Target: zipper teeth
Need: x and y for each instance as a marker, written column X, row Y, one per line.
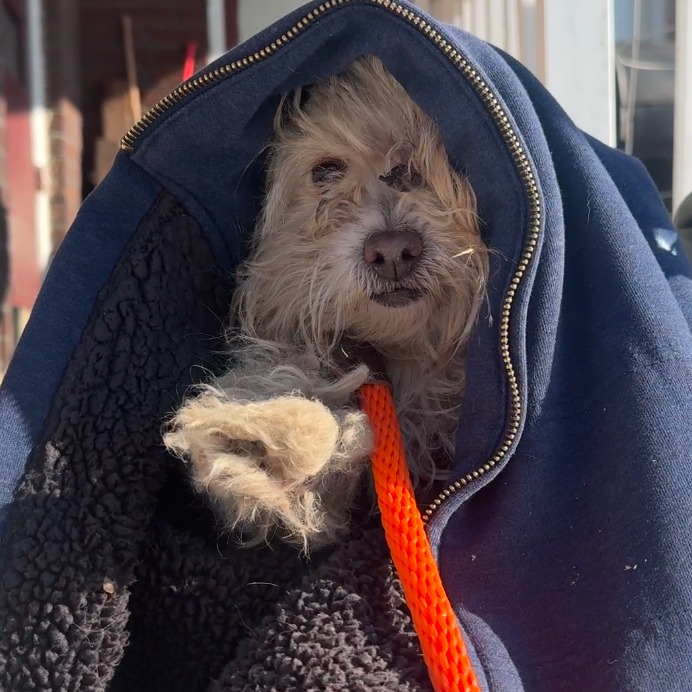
column 510, row 137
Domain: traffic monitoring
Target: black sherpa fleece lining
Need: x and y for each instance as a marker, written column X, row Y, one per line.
column 113, row 574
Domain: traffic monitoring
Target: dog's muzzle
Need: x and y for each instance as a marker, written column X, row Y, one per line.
column 393, row 255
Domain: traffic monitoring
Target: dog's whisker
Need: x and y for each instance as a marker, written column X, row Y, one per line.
column 464, row 253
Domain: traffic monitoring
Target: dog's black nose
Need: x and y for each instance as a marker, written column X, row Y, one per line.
column 393, row 254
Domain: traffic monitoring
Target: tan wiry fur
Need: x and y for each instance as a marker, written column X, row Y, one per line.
column 278, row 443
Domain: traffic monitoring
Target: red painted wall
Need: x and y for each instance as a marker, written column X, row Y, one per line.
column 20, row 196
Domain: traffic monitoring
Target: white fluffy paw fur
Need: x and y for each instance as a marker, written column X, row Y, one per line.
column 284, row 463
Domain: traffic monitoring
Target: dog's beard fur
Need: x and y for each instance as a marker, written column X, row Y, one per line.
column 306, row 286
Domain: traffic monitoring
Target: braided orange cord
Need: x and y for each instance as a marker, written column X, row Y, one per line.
column 441, row 642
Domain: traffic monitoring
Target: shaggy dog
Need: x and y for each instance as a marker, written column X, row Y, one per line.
column 369, row 236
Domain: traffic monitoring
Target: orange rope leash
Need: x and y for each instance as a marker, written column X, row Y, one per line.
column 443, row 647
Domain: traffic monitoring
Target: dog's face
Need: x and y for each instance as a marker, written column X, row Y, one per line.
column 366, row 229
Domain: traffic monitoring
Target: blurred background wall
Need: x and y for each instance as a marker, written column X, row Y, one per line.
column 76, row 74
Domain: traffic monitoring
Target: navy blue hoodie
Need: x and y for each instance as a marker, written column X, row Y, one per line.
column 566, row 545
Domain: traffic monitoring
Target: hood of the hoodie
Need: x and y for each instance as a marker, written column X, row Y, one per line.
column 565, row 543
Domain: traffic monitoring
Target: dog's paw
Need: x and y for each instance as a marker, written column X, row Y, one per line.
column 284, row 463
column 288, row 437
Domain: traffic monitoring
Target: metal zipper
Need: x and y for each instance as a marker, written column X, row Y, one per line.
column 511, row 139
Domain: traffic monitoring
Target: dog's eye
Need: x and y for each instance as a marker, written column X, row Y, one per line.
column 328, row 171
column 403, row 178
